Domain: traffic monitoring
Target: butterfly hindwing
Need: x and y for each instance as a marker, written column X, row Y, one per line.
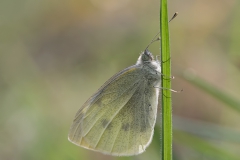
column 118, row 120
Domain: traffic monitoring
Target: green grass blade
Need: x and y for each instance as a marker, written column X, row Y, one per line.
column 203, row 147
column 166, row 83
column 208, row 130
column 214, row 91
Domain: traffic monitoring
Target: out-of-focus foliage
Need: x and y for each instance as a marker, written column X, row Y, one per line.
column 55, row 54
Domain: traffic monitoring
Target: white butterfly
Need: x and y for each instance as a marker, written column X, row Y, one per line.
column 119, row 118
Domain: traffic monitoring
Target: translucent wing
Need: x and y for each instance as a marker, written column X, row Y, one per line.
column 118, row 120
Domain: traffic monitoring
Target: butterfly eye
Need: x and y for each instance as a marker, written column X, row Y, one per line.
column 147, row 56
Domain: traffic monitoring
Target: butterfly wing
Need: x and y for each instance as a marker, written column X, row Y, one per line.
column 118, row 120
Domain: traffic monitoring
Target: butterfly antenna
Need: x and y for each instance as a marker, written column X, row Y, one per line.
column 174, row 16
column 157, row 39
column 153, row 40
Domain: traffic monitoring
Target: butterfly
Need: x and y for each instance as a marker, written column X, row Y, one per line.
column 119, row 118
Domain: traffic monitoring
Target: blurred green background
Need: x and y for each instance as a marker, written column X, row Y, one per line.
column 55, row 54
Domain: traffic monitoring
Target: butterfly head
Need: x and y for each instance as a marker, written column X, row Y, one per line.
column 146, row 56
column 146, row 59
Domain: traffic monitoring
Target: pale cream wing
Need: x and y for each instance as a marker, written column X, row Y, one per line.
column 118, row 120
column 133, row 125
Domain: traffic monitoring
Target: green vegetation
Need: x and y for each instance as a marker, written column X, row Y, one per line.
column 54, row 56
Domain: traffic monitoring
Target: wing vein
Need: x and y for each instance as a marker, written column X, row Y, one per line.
column 144, row 110
column 116, row 114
